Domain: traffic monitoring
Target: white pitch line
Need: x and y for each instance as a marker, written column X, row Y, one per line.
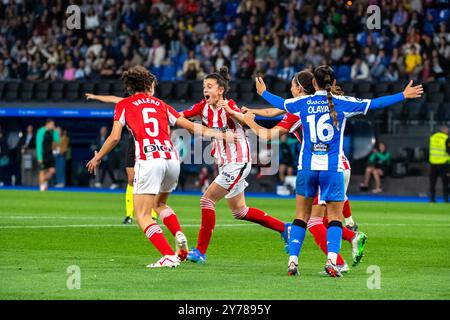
column 116, row 226
column 197, row 225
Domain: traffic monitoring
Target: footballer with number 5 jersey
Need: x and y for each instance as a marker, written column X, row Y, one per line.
column 324, row 116
column 157, row 164
column 234, row 161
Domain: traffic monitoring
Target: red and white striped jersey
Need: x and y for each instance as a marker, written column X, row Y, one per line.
column 148, row 120
column 293, row 123
column 224, row 152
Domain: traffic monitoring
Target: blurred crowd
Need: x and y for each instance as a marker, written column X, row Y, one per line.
column 185, row 39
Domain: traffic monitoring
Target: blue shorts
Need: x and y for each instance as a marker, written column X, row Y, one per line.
column 331, row 184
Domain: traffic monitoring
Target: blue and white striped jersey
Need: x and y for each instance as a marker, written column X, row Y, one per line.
column 322, row 147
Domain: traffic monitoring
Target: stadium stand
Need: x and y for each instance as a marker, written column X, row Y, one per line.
column 43, row 64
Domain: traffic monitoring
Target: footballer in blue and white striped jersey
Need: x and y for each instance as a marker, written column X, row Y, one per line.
column 323, row 142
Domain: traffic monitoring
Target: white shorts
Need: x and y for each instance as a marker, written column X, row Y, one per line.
column 347, row 174
column 155, row 176
column 232, row 177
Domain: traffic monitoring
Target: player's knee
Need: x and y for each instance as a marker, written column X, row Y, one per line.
column 206, row 203
column 166, row 212
column 240, row 213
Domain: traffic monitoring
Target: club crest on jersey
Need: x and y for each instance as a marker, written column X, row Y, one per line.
column 153, row 148
column 320, row 148
column 147, row 101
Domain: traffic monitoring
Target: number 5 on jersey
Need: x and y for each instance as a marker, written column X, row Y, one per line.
column 148, row 119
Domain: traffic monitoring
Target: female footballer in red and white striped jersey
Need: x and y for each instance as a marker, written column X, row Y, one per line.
column 157, row 164
column 234, row 161
column 302, row 85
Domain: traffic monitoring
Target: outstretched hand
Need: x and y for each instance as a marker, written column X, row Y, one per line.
column 93, row 164
column 411, row 92
column 260, row 85
column 89, row 96
column 223, row 104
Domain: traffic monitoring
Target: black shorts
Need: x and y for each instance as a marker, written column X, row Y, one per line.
column 130, row 153
column 47, row 162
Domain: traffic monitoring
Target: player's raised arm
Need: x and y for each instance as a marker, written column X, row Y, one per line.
column 410, row 92
column 274, row 100
column 264, row 133
column 105, row 99
column 267, row 112
column 110, row 143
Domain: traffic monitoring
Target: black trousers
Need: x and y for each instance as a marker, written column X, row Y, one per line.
column 439, row 170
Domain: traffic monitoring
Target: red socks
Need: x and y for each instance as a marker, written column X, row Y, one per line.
column 347, row 234
column 208, row 223
column 260, row 217
column 319, row 232
column 347, row 212
column 170, row 220
column 156, row 236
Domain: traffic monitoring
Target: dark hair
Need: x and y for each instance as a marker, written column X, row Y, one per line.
column 138, row 79
column 222, row 77
column 304, row 79
column 48, row 121
column 324, row 76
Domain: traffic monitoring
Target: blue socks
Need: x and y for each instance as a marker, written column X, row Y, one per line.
column 297, row 235
column 334, row 235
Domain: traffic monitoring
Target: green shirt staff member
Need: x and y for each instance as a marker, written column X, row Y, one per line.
column 440, row 161
column 47, row 139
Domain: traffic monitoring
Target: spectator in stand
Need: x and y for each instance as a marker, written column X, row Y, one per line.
column 360, row 70
column 69, row 71
column 191, row 68
column 156, row 55
column 377, row 167
column 52, row 73
column 413, row 62
column 287, row 72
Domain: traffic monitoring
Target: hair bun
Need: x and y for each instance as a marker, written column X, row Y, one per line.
column 224, row 73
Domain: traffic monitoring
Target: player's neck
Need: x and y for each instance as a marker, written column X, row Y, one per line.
column 147, row 93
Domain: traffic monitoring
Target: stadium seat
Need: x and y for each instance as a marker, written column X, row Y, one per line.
column 397, row 87
column 196, row 90
column 181, row 90
column 41, row 91
column 117, row 89
column 246, row 85
column 103, row 88
column 365, row 95
column 56, row 91
column 444, row 112
column 2, row 86
column 347, row 87
column 343, row 73
column 157, row 71
column 413, row 111
column 381, row 89
column 233, row 95
column 169, row 72
column 246, row 91
column 435, row 97
column 396, row 111
column 164, row 90
column 86, row 87
column 27, row 91
column 12, row 91
column 279, row 87
column 363, row 87
column 432, row 87
column 72, row 91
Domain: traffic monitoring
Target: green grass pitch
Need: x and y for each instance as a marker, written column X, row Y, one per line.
column 42, row 234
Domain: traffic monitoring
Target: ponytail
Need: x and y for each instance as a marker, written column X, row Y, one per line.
column 324, row 76
column 333, row 112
